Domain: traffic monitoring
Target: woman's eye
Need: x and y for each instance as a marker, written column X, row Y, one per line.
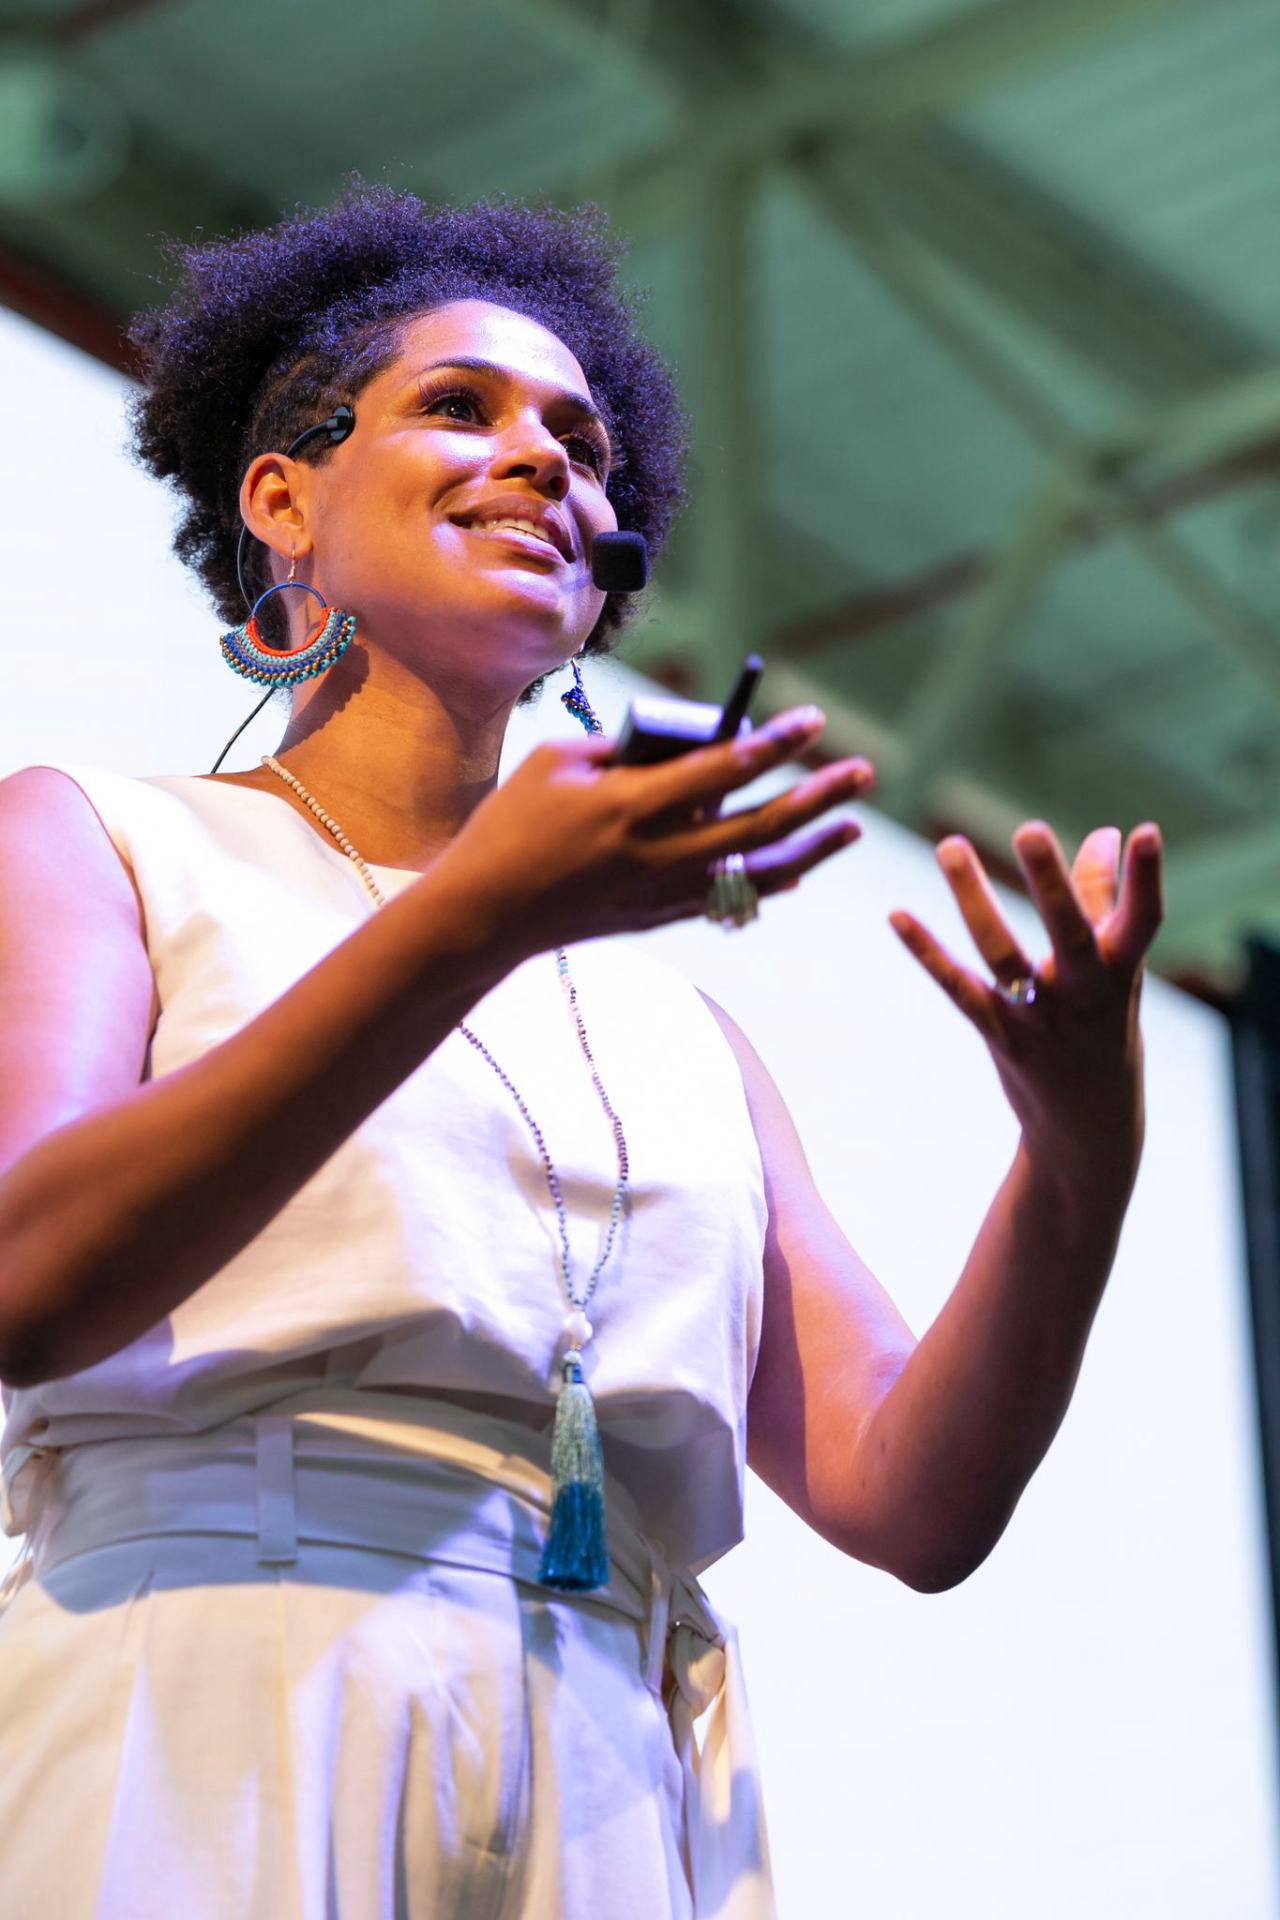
column 591, row 453
column 436, row 403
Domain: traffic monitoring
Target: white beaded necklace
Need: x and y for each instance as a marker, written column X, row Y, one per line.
column 577, row 1328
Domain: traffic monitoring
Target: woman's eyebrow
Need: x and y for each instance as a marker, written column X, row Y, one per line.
column 564, row 395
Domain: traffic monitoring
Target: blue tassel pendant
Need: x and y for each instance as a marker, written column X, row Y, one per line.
column 576, row 1556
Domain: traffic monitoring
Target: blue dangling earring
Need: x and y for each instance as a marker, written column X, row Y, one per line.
column 247, row 653
column 577, row 703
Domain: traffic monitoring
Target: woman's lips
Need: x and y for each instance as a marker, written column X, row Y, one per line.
column 530, row 543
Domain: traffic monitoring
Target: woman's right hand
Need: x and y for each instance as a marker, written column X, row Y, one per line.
column 570, row 848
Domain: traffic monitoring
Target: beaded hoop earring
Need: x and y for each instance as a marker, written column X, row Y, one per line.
column 247, row 653
column 577, row 703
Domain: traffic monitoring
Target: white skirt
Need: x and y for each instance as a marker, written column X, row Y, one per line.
column 300, row 1668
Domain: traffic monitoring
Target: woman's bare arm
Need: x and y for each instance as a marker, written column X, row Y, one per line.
column 912, row 1454
column 117, row 1200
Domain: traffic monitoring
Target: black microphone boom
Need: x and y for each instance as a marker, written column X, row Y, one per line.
column 619, row 562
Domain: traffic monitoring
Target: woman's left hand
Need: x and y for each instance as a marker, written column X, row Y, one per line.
column 1070, row 1061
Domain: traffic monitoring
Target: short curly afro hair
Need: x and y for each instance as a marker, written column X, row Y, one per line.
column 267, row 333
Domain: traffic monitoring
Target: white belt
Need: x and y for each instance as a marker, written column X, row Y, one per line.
column 396, row 1474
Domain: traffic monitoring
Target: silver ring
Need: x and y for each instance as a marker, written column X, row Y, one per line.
column 1020, row 992
column 732, row 898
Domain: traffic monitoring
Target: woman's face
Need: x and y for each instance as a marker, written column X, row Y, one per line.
column 400, row 517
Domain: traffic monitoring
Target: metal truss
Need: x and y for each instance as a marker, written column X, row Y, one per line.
column 860, row 136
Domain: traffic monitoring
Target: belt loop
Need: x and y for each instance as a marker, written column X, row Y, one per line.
column 277, row 1514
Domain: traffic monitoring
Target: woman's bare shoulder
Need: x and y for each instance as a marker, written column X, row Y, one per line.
column 76, row 983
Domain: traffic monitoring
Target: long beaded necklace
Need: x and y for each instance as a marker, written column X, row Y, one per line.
column 576, row 1556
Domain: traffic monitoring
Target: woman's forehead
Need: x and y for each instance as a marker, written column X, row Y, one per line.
column 479, row 330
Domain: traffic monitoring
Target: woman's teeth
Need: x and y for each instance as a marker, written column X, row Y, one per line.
column 513, row 526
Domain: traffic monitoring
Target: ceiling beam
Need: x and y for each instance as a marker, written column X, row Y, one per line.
column 947, row 701
column 658, row 50
column 81, row 22
column 1024, row 245
column 1254, row 641
column 1204, row 427
column 1043, row 261
column 613, row 45
column 1161, row 702
column 1217, row 875
column 863, row 91
column 886, row 604
column 688, row 49
column 53, row 302
column 1214, row 890
column 911, row 275
column 991, row 815
column 726, row 454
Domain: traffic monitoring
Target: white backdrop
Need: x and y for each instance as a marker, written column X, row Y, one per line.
column 1084, row 1727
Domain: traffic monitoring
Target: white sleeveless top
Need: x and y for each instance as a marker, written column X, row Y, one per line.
column 424, row 1255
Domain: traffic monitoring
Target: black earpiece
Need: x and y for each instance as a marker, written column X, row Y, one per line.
column 337, row 426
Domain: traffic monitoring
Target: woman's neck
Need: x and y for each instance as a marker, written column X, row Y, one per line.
column 399, row 768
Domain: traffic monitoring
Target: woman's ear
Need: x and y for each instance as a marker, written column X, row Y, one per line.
column 273, row 504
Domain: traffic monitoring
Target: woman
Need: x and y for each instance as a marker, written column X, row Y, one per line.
column 328, row 1116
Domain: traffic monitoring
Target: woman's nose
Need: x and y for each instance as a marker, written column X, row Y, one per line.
column 531, row 452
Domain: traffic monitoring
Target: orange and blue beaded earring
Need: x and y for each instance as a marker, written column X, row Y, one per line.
column 244, row 649
column 247, row 653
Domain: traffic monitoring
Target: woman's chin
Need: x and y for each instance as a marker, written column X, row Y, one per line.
column 530, row 622
column 520, row 594
column 518, row 628
column 507, row 659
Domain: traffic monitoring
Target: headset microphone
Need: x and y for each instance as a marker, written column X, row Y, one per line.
column 619, row 562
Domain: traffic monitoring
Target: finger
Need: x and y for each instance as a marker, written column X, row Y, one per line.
column 963, row 988
column 753, row 827
column 1141, row 909
column 785, row 866
column 703, row 775
column 1095, row 872
column 776, row 871
column 993, row 937
column 1070, row 931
